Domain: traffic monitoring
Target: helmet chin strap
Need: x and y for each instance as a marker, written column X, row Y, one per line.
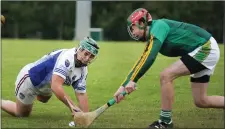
column 143, row 38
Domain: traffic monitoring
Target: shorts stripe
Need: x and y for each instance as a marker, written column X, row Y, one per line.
column 21, row 82
column 203, row 53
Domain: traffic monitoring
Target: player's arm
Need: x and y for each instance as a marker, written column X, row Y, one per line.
column 60, row 72
column 82, row 99
column 56, row 86
column 145, row 62
column 80, row 91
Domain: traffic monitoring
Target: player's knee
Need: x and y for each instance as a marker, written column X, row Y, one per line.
column 165, row 76
column 23, row 114
column 23, row 110
column 201, row 102
column 43, row 99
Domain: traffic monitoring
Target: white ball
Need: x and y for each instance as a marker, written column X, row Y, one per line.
column 72, row 124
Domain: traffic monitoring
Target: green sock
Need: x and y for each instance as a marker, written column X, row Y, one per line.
column 165, row 116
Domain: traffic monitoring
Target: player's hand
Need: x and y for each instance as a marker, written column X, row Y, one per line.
column 130, row 87
column 118, row 96
column 74, row 108
column 74, row 111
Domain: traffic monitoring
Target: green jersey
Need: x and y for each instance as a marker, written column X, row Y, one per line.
column 178, row 38
column 170, row 38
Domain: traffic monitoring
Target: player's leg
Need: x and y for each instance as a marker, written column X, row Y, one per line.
column 200, row 80
column 43, row 98
column 9, row 107
column 44, row 94
column 24, row 99
column 201, row 60
column 17, row 108
column 166, row 81
column 167, row 93
column 185, row 66
column 199, row 91
column 25, row 95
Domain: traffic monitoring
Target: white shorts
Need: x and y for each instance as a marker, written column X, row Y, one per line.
column 24, row 89
column 208, row 55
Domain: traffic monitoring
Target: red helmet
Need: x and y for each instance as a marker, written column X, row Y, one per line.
column 139, row 15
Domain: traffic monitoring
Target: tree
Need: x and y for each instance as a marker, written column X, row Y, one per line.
column 224, row 22
column 55, row 19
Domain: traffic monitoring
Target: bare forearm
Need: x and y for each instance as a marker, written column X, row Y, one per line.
column 59, row 93
column 83, row 101
column 56, row 86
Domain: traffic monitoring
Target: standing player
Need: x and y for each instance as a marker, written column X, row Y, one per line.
column 199, row 53
column 48, row 74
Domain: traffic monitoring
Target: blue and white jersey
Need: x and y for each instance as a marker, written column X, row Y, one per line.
column 59, row 62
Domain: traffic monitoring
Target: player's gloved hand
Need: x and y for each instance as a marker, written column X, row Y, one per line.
column 130, row 87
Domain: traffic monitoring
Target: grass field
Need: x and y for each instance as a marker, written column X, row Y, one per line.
column 105, row 75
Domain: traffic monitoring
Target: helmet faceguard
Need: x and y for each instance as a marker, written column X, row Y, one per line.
column 138, row 16
column 89, row 45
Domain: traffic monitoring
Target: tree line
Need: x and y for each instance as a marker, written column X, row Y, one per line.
column 56, row 19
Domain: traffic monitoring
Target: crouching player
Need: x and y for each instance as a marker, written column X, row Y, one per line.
column 48, row 74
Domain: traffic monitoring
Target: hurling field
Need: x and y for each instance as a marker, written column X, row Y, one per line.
column 106, row 73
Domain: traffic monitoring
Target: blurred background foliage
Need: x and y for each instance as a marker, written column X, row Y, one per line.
column 56, row 19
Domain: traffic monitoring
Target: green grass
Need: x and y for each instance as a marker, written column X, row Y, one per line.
column 105, row 75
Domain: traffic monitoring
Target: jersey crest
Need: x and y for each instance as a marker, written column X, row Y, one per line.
column 67, row 63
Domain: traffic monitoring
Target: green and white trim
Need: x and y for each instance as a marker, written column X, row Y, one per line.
column 208, row 55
